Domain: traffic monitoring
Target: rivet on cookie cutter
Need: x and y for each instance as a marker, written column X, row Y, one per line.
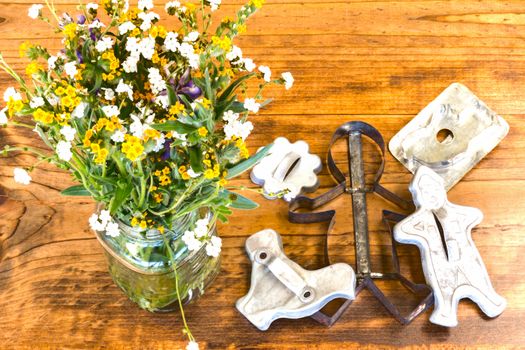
column 451, row 263
column 288, row 166
column 280, row 288
column 450, row 135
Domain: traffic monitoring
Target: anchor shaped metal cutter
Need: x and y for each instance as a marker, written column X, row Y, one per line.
column 280, row 288
column 358, row 189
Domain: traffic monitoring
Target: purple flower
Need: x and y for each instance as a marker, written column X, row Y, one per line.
column 81, row 19
column 79, row 57
column 191, row 90
column 167, row 150
column 92, row 34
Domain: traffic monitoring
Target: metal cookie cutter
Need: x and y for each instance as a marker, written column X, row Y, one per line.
column 357, row 188
column 451, row 262
column 450, row 135
column 288, row 166
column 280, row 288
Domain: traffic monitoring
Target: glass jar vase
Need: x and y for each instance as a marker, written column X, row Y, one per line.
column 140, row 264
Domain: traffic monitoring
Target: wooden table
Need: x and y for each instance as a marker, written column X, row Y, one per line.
column 376, row 61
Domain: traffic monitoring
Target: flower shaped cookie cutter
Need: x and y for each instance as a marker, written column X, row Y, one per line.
column 288, row 167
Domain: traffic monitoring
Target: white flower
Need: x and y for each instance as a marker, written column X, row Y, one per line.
column 171, row 5
column 214, row 4
column 126, row 27
column 137, row 128
column 64, row 150
column 267, row 72
column 191, row 37
column 71, row 69
column 36, row 102
column 104, row 43
column 51, row 62
column 109, row 94
column 147, row 47
column 230, row 116
column 191, row 242
column 238, row 129
column 234, row 54
column 163, row 100
column 79, row 110
column 11, row 93
column 288, row 80
column 105, row 216
column 111, row 111
column 201, row 228
column 53, row 99
column 192, row 345
column 21, row 176
column 157, row 83
column 96, row 24
column 118, row 136
column 192, row 173
column 95, row 224
column 170, row 42
column 123, row 88
column 68, row 132
column 130, row 64
column 159, row 143
column 35, row 11
column 112, row 229
column 92, row 6
column 213, row 248
column 248, row 64
column 145, row 5
column 147, row 19
column 3, row 116
column 251, row 105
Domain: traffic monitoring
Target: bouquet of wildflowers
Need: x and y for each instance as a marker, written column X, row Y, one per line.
column 151, row 120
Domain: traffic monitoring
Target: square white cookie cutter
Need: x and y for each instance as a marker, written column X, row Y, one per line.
column 450, row 135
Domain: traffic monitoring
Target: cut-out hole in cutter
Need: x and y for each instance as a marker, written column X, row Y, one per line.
column 450, row 135
column 288, row 168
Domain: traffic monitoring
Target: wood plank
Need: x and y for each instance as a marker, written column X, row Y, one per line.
column 376, row 61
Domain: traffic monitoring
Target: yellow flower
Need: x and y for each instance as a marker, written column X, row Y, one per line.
column 209, row 174
column 71, row 91
column 224, row 43
column 134, row 221
column 182, row 169
column 203, row 131
column 241, row 28
column 26, row 45
column 101, row 156
column 151, row 134
column 70, row 30
column 223, row 182
column 206, row 103
column 161, row 229
column 42, row 116
column 60, row 91
column 177, row 108
column 257, row 3
column 164, row 180
column 186, row 176
column 143, row 224
column 132, row 148
column 166, row 170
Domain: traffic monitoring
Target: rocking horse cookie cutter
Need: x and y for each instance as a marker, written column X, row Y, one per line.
column 355, row 185
column 280, row 288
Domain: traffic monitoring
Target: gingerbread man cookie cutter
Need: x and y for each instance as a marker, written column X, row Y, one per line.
column 451, row 263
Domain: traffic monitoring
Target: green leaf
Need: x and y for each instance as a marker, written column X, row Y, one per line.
column 207, row 86
column 234, row 85
column 240, row 202
column 196, row 158
column 172, row 96
column 248, row 163
column 174, row 125
column 121, row 194
column 77, row 190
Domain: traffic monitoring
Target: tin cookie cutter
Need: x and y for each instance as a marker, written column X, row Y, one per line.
column 451, row 263
column 357, row 188
column 450, row 135
column 280, row 288
column 287, row 167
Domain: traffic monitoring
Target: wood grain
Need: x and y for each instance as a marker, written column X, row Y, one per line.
column 377, row 61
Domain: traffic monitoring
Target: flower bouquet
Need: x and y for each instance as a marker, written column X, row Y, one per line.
column 151, row 120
